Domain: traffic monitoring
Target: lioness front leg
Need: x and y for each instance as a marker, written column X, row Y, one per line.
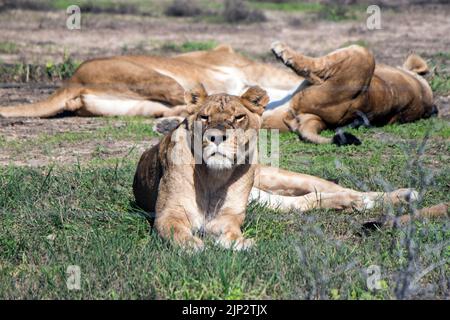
column 227, row 229
column 176, row 227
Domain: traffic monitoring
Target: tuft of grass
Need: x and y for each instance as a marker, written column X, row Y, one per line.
column 8, row 47
column 337, row 13
column 289, row 5
column 359, row 42
column 63, row 70
column 237, row 11
column 23, row 72
column 440, row 83
column 135, row 7
column 440, row 80
column 183, row 8
column 132, row 129
column 188, row 46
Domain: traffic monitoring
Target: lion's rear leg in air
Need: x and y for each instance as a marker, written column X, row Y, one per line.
column 337, row 84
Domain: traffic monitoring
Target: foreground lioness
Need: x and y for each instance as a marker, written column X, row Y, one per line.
column 211, row 195
column 339, row 88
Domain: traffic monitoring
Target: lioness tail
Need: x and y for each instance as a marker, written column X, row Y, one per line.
column 56, row 103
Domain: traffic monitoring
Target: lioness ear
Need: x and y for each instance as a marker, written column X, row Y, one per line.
column 255, row 99
column 196, row 95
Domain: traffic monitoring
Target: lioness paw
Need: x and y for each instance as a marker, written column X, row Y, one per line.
column 167, row 124
column 279, row 50
column 345, row 138
column 237, row 245
column 404, row 195
column 193, row 244
column 243, row 244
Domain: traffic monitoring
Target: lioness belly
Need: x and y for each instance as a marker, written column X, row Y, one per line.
column 117, row 106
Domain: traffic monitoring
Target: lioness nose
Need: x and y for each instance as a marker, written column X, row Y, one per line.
column 215, row 136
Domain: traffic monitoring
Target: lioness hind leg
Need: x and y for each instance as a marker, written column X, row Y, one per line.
column 341, row 200
column 288, row 183
column 304, row 66
column 318, row 200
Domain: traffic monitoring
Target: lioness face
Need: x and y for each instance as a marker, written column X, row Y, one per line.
column 228, row 126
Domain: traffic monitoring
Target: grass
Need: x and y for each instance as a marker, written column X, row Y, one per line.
column 287, row 6
column 440, row 80
column 130, row 129
column 359, row 42
column 188, row 46
column 51, row 71
column 83, row 214
column 325, row 11
column 8, row 47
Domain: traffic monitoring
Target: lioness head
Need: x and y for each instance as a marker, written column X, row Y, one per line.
column 225, row 126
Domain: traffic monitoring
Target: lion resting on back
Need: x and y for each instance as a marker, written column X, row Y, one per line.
column 326, row 92
column 347, row 85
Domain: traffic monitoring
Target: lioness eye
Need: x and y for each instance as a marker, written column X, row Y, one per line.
column 240, row 117
column 204, row 117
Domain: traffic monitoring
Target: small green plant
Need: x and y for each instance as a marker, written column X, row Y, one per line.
column 360, row 42
column 238, row 11
column 183, row 8
column 440, row 83
column 337, row 13
column 63, row 70
column 289, row 5
column 8, row 47
column 189, row 46
column 440, row 79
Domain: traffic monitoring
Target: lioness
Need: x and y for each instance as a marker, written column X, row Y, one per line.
column 211, row 195
column 339, row 88
column 346, row 85
column 154, row 86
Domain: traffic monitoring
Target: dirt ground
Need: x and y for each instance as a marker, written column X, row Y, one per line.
column 42, row 37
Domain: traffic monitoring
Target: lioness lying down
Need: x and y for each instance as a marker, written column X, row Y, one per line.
column 194, row 182
column 347, row 86
column 340, row 87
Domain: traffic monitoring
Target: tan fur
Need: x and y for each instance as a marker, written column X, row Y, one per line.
column 188, row 197
column 347, row 83
column 340, row 86
column 125, row 85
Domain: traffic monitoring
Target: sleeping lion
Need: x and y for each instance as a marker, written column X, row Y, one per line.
column 201, row 176
column 326, row 92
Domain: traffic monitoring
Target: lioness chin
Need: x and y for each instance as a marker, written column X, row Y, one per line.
column 199, row 178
